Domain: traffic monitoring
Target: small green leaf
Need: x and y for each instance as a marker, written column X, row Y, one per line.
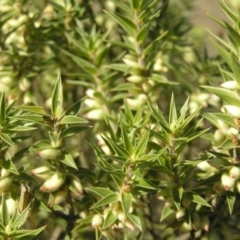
column 126, row 201
column 57, row 98
column 196, row 198
column 21, row 219
column 235, row 66
column 29, row 118
column 126, row 140
column 172, row 112
column 82, row 222
column 142, row 144
column 145, row 184
column 224, row 53
column 73, row 130
column 234, row 35
column 100, row 191
column 157, row 114
column 2, row 108
column 6, row 139
column 27, row 234
column 70, row 119
column 125, row 22
column 4, row 212
column 34, row 109
column 8, row 165
column 214, row 117
column 166, row 212
column 177, row 193
column 109, row 220
column 21, row 128
column 232, row 16
column 136, row 220
column 142, row 34
column 226, row 95
column 111, row 198
column 136, row 4
column 231, row 197
column 67, row 159
column 75, row 108
column 40, row 145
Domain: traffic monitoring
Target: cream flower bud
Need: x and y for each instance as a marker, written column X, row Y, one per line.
column 233, row 110
column 185, row 228
column 129, row 224
column 58, row 197
column 53, row 183
column 43, row 172
column 238, row 186
column 230, row 85
column 186, row 202
column 120, row 215
column 95, row 114
column 227, row 181
column 180, row 213
column 196, row 221
column 76, row 186
column 218, row 188
column 4, row 172
column 131, row 61
column 219, row 136
column 234, row 173
column 135, row 79
column 97, row 221
column 11, row 206
column 5, row 183
column 49, row 153
column 204, row 223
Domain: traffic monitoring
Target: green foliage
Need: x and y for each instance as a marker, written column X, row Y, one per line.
column 114, row 124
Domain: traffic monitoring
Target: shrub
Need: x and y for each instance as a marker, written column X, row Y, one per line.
column 114, row 124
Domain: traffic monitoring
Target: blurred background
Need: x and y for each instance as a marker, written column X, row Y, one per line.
column 203, row 23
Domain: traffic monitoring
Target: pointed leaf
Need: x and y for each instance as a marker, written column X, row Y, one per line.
column 136, row 220
column 34, row 109
column 126, row 140
column 6, row 139
column 2, row 108
column 40, row 145
column 75, row 108
column 224, row 53
column 172, row 111
column 57, row 98
column 126, row 201
column 166, row 212
column 27, row 234
column 142, row 144
column 177, row 193
column 21, row 219
column 73, row 130
column 226, row 95
column 230, row 200
column 70, row 119
column 233, row 34
column 196, row 198
column 235, row 66
column 67, row 159
column 232, row 16
column 157, row 114
column 111, row 198
column 124, row 22
column 4, row 212
column 109, row 220
column 145, row 184
column 100, row 191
